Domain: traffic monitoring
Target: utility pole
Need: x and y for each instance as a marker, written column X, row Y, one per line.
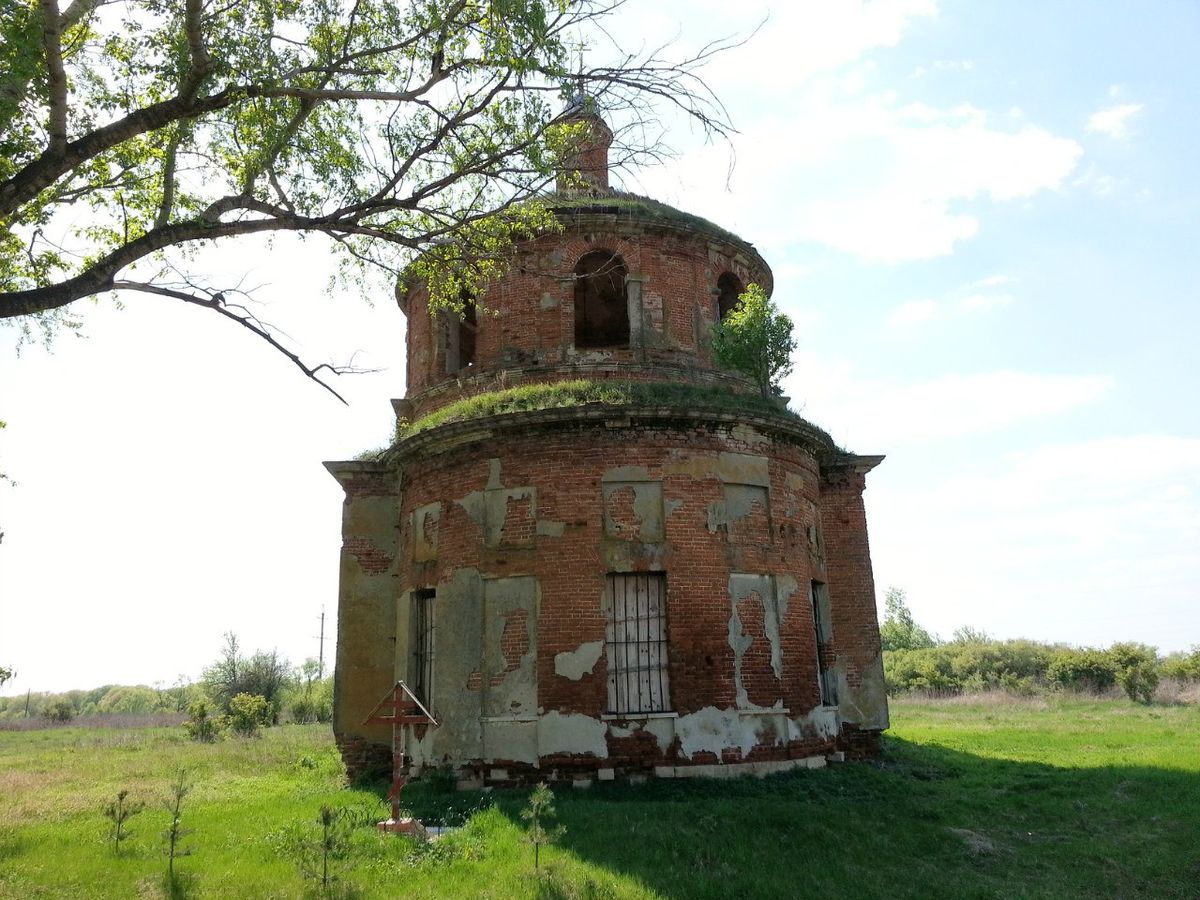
column 321, row 650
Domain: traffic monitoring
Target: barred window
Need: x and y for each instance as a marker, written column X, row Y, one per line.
column 635, row 609
column 421, row 641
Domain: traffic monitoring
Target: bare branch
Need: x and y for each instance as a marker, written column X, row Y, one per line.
column 216, row 301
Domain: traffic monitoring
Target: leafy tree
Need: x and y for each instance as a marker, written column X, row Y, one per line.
column 265, row 674
column 899, row 630
column 6, row 675
column 385, row 127
column 755, row 338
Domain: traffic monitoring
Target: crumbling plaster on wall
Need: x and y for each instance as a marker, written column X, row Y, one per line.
column 574, row 664
column 864, row 704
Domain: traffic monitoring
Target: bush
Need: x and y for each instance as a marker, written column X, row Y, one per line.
column 59, row 711
column 1092, row 671
column 265, row 674
column 1182, row 666
column 247, row 713
column 204, row 723
column 1137, row 669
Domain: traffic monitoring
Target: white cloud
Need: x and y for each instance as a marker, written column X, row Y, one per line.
column 913, row 311
column 1114, row 121
column 983, row 302
column 992, row 281
column 1088, row 541
column 870, row 176
column 869, row 412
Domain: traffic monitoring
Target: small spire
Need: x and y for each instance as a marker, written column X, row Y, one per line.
column 589, row 162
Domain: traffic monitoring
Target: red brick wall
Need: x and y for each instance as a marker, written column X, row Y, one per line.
column 534, row 324
column 565, row 465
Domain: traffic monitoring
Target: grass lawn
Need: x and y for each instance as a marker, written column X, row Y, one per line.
column 974, row 798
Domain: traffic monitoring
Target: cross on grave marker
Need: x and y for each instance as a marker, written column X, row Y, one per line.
column 399, row 707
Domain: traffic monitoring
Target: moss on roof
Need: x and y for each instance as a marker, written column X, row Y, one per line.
column 635, row 206
column 580, row 392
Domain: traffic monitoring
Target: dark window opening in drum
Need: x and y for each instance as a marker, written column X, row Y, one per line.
column 729, row 290
column 601, row 304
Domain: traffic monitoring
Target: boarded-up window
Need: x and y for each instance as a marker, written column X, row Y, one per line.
column 420, row 674
column 601, row 304
column 635, row 609
column 729, row 291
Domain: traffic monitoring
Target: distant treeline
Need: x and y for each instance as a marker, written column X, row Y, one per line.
column 914, row 660
column 290, row 693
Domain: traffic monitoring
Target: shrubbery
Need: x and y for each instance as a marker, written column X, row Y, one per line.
column 916, row 661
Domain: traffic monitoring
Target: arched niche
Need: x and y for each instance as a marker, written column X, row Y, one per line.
column 729, row 289
column 601, row 301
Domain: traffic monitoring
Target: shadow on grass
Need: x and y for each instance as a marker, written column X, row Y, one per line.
column 923, row 821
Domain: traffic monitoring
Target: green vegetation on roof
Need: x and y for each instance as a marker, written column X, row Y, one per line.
column 561, row 394
column 635, row 206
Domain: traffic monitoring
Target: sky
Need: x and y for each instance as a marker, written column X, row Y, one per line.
column 981, row 217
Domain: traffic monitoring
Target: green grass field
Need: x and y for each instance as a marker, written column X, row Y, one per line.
column 974, row 798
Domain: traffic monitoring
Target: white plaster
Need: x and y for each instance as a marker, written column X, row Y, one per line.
column 663, row 729
column 574, row 664
column 571, row 733
column 713, row 730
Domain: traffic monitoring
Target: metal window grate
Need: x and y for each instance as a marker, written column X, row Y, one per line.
column 636, row 643
column 421, row 622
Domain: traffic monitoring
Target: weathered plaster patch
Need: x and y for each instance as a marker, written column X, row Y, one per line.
column 731, row 468
column 510, row 616
column 511, row 741
column 574, row 664
column 547, row 528
column 823, row 723
column 425, row 522
column 548, row 301
column 646, row 510
column 626, row 473
column 866, row 705
column 571, row 733
column 740, row 500
column 713, row 730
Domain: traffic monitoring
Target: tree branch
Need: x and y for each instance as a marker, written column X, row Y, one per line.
column 56, row 77
column 216, row 301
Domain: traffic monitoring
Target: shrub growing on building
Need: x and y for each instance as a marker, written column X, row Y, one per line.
column 755, row 338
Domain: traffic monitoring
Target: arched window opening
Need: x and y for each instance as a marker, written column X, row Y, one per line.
column 601, row 307
column 467, row 327
column 729, row 289
column 457, row 335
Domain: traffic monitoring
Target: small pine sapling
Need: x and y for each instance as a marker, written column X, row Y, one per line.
column 119, row 812
column 540, row 813
column 175, row 833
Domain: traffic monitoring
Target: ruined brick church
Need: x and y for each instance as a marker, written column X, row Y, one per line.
column 664, row 587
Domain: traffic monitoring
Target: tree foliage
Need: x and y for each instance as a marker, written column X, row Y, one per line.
column 134, row 131
column 265, row 674
column 755, row 338
column 900, row 630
